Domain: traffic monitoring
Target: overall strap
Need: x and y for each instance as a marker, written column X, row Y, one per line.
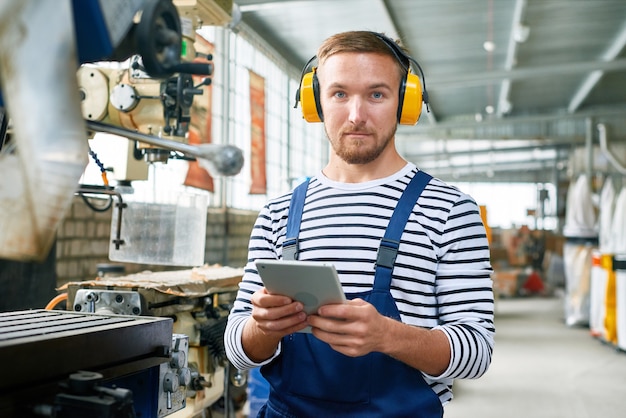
column 296, row 206
column 390, row 243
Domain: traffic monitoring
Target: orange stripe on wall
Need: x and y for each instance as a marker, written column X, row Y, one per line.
column 200, row 125
column 257, row 134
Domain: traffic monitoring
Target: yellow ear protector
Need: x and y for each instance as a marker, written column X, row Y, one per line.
column 410, row 98
column 308, row 94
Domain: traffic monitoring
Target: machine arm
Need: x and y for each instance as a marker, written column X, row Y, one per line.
column 219, row 160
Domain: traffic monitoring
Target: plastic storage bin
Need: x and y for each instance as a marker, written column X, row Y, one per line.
column 619, row 266
column 577, row 256
column 162, row 233
column 597, row 296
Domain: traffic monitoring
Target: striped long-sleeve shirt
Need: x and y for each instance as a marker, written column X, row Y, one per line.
column 441, row 277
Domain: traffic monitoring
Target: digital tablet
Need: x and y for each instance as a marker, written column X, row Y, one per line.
column 313, row 283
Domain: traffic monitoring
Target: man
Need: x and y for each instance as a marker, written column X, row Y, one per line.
column 408, row 328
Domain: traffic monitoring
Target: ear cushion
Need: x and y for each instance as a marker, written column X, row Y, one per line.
column 411, row 106
column 309, row 98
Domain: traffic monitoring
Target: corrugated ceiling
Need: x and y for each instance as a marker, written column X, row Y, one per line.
column 556, row 70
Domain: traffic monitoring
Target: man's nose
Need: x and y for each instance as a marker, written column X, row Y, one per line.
column 358, row 110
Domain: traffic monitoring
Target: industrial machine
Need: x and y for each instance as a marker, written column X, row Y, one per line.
column 71, row 69
column 142, row 345
column 82, row 364
column 117, row 66
column 198, row 301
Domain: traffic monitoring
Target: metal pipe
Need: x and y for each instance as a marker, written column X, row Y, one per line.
column 473, row 79
column 118, row 241
column 604, row 147
column 589, row 150
column 226, row 129
column 218, row 159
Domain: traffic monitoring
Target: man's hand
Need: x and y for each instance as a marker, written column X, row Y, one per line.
column 354, row 328
column 277, row 315
column 273, row 317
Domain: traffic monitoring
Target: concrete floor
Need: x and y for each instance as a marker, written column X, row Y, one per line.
column 542, row 368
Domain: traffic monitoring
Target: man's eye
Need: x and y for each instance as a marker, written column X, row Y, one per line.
column 340, row 95
column 377, row 95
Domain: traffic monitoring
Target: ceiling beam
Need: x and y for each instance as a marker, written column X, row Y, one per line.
column 427, row 129
column 504, row 104
column 473, row 79
column 541, row 176
column 522, row 171
column 497, row 150
column 594, row 77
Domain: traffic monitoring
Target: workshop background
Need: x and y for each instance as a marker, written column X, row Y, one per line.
column 140, row 138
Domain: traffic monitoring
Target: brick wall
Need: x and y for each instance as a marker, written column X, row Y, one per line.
column 84, row 235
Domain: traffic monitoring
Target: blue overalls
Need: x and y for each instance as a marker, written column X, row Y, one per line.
column 310, row 379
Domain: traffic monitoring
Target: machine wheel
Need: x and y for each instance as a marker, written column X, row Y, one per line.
column 158, row 37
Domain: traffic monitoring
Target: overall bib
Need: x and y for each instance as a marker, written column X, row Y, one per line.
column 310, row 379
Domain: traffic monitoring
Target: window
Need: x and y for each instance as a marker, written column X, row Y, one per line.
column 294, row 148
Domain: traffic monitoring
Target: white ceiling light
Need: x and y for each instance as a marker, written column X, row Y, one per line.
column 505, row 106
column 521, row 33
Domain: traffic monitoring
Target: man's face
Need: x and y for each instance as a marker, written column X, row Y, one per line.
column 359, row 99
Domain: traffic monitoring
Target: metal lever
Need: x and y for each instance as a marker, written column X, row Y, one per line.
column 219, row 160
column 199, row 68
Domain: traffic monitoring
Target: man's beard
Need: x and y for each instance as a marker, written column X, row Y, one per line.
column 355, row 152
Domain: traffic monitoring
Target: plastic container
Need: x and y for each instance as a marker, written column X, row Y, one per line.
column 619, row 265
column 577, row 256
column 597, row 296
column 610, row 303
column 172, row 234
